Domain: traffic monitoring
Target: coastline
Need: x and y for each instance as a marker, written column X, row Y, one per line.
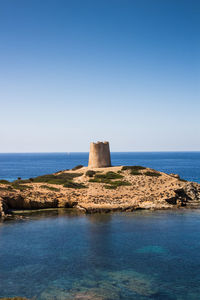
column 99, row 190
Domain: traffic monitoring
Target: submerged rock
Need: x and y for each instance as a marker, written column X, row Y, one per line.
column 152, row 249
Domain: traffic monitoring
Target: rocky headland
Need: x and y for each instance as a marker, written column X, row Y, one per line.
column 120, row 188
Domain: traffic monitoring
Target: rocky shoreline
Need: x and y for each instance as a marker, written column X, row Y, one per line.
column 123, row 188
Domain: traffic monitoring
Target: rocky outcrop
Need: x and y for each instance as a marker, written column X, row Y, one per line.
column 188, row 195
column 193, row 192
column 34, row 200
column 109, row 189
column 2, row 209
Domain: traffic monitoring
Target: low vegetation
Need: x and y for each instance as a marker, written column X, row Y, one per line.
column 21, row 181
column 51, row 188
column 14, row 185
column 109, row 179
column 5, row 188
column 57, row 178
column 135, row 172
column 152, row 173
column 2, row 181
column 20, row 187
column 106, row 178
column 114, row 184
column 90, row 173
column 51, row 178
column 74, row 185
column 109, row 175
column 99, row 180
column 110, row 187
column 77, row 167
column 135, row 168
column 65, row 179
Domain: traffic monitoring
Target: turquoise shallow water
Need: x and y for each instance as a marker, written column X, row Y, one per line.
column 66, row 255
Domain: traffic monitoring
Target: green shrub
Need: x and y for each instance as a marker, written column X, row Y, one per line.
column 20, row 187
column 115, row 184
column 45, row 178
column 2, row 181
column 106, row 178
column 100, row 180
column 90, row 173
column 152, row 173
column 77, row 167
column 135, row 168
column 21, row 181
column 110, row 187
column 120, row 183
column 57, row 178
column 51, row 188
column 109, row 175
column 135, row 172
column 4, row 188
column 74, row 185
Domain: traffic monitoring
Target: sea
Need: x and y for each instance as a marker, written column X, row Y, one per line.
column 63, row 254
column 26, row 165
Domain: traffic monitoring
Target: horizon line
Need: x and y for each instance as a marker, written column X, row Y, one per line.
column 69, row 152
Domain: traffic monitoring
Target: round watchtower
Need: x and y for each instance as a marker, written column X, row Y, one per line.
column 99, row 156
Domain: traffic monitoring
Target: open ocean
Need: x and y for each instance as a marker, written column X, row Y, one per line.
column 26, row 165
column 65, row 255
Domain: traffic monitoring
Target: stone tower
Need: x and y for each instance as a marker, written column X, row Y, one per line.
column 99, row 156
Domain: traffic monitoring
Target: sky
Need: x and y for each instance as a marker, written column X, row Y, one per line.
column 77, row 71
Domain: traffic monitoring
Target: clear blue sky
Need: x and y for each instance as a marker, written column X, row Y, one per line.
column 125, row 71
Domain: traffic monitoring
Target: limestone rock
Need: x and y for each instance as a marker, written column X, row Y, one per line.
column 125, row 191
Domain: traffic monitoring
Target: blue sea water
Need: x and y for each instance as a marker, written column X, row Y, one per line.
column 64, row 255
column 26, row 165
column 141, row 255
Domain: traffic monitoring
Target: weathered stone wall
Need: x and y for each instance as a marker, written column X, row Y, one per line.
column 99, row 156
